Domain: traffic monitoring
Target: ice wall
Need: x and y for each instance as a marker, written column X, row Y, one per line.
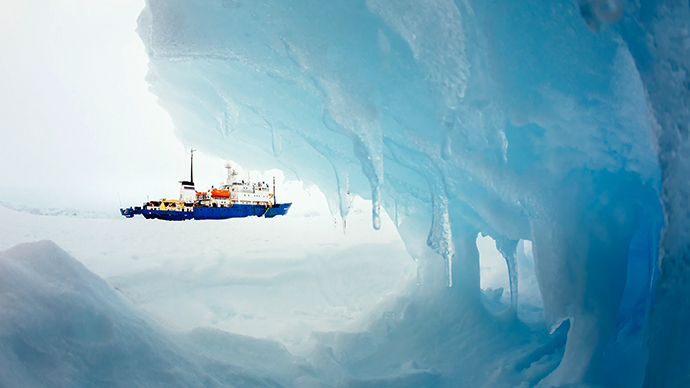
column 656, row 33
column 543, row 120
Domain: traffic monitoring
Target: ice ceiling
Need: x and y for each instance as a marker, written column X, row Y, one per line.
column 560, row 122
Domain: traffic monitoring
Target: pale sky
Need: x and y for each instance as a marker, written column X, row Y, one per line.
column 78, row 127
column 77, row 123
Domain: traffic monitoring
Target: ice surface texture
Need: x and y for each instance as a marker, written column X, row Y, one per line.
column 560, row 122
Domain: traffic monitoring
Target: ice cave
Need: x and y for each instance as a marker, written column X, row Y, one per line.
column 558, row 130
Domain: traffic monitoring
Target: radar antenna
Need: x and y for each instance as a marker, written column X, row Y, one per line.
column 231, row 171
column 232, row 174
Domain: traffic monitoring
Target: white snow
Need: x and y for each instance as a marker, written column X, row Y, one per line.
column 62, row 325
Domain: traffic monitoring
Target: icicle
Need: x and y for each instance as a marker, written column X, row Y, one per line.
column 441, row 236
column 449, row 271
column 376, row 207
column 345, row 116
column 508, row 249
column 397, row 222
column 342, row 202
column 348, row 200
column 343, row 197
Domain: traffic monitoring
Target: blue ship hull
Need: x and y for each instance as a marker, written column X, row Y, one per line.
column 280, row 209
column 210, row 213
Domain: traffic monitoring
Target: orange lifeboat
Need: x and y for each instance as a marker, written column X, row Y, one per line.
column 215, row 193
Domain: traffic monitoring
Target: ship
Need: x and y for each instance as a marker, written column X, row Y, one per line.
column 233, row 199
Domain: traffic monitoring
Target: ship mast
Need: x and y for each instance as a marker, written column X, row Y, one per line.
column 191, row 172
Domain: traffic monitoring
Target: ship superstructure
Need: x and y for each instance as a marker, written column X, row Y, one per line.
column 232, row 199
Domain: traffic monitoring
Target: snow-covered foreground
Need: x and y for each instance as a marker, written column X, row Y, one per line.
column 62, row 325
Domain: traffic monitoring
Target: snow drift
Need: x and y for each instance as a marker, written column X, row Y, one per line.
column 61, row 325
column 559, row 122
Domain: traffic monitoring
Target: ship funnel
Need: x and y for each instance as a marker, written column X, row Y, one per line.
column 187, row 191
